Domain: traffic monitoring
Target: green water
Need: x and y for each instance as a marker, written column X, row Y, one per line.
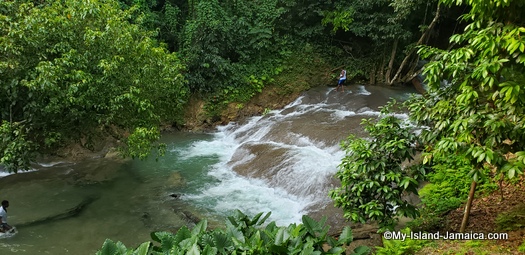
column 132, row 203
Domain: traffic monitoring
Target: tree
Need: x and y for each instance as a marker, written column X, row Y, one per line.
column 373, row 180
column 476, row 99
column 379, row 30
column 72, row 69
column 224, row 43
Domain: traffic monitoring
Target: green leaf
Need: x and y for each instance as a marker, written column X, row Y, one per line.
column 208, row 250
column 235, row 233
column 222, row 242
column 200, row 227
column 143, row 249
column 511, row 173
column 361, row 250
column 310, row 225
column 282, row 236
column 108, row 248
column 194, row 250
column 264, row 218
column 346, row 236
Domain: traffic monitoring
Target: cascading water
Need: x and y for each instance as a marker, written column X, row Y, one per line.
column 284, row 161
column 281, row 162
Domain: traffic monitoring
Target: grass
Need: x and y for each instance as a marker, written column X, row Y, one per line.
column 477, row 247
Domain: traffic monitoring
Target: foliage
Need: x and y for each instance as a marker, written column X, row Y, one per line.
column 474, row 107
column 221, row 42
column 15, row 147
column 521, row 248
column 142, row 141
column 301, row 20
column 302, row 68
column 73, row 68
column 475, row 103
column 224, row 43
column 373, row 32
column 447, row 190
column 340, row 19
column 478, row 114
column 243, row 235
column 373, row 180
column 401, row 247
column 299, row 69
column 374, row 19
column 512, row 220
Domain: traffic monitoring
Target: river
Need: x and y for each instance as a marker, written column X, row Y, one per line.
column 282, row 162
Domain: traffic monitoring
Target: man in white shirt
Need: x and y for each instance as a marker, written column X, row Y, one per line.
column 342, row 79
column 4, row 227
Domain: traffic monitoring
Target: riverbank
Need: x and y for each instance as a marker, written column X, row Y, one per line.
column 301, row 73
column 502, row 211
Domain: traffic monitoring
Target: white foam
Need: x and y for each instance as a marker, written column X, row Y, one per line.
column 9, row 234
column 363, row 91
column 4, row 173
column 300, row 181
column 251, row 196
column 50, row 164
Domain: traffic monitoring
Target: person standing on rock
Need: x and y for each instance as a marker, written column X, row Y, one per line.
column 342, row 79
column 4, row 227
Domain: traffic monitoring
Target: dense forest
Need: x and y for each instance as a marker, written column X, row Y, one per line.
column 74, row 71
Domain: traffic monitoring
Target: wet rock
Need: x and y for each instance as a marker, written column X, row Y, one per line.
column 364, row 231
column 176, row 196
column 43, row 200
column 190, row 217
column 146, row 219
column 60, row 215
column 113, row 153
column 51, row 193
column 176, row 179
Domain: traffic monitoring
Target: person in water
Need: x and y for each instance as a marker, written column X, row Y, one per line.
column 341, row 82
column 4, row 227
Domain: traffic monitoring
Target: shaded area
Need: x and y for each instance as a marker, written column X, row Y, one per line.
column 67, row 213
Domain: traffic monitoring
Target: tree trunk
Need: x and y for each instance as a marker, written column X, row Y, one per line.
column 391, row 62
column 380, row 72
column 373, row 75
column 468, row 206
column 419, row 42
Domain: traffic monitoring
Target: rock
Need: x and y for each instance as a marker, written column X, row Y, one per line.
column 42, row 200
column 113, row 153
column 176, row 196
column 67, row 213
column 97, row 171
column 190, row 217
column 364, row 231
column 176, row 179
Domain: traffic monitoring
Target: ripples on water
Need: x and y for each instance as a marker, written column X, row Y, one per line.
column 284, row 162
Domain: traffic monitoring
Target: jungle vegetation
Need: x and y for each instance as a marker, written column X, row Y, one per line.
column 470, row 124
column 72, row 71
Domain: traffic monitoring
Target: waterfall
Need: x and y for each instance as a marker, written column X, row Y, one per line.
column 285, row 161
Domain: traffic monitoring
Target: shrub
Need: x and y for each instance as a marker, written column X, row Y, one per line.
column 401, row 247
column 244, row 235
